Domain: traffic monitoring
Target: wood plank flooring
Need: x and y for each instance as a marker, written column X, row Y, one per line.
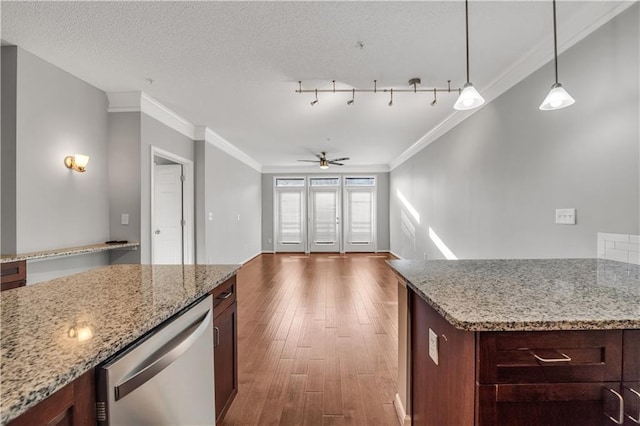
column 317, row 341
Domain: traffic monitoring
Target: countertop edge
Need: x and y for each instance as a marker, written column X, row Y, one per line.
column 69, row 251
column 56, row 383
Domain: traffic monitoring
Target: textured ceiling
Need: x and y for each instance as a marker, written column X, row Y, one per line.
column 234, row 66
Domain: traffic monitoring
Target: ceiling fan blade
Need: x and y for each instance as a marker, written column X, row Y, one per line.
column 340, row 159
column 337, row 164
column 310, row 161
column 320, row 157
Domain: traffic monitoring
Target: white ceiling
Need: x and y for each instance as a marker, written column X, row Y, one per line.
column 234, row 66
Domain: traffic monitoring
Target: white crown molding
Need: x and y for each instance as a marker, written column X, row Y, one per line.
column 311, row 169
column 208, row 135
column 141, row 102
column 581, row 25
column 155, row 109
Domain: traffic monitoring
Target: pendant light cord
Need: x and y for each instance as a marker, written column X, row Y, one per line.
column 466, row 18
column 555, row 41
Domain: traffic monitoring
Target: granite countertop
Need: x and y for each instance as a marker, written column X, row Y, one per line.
column 531, row 294
column 110, row 306
column 67, row 251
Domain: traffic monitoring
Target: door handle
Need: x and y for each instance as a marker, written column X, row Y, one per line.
column 163, row 357
column 216, row 337
column 636, row 394
column 157, row 231
column 620, row 417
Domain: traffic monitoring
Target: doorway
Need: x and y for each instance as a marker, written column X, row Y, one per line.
column 324, row 215
column 171, row 209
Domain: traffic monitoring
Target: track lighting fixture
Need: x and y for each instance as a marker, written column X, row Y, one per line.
column 412, row 82
column 435, row 98
column 558, row 97
column 469, row 98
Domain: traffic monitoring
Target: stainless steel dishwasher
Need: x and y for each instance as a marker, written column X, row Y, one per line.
column 166, row 378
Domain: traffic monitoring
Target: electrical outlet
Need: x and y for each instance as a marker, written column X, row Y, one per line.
column 210, row 216
column 565, row 216
column 433, row 346
column 124, row 219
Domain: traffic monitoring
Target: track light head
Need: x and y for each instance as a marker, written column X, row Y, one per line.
column 434, row 102
column 314, row 102
column 353, row 97
column 391, row 100
column 350, row 102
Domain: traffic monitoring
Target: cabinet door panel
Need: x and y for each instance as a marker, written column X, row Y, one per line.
column 443, row 393
column 549, row 404
column 225, row 359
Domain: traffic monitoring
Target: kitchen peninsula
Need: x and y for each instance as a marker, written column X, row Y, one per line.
column 54, row 332
column 551, row 342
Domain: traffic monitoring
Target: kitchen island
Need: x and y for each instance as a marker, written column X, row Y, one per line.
column 544, row 341
column 53, row 332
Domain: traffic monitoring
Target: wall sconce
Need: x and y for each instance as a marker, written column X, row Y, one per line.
column 77, row 162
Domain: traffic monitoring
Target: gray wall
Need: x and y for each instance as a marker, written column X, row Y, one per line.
column 489, row 187
column 382, row 211
column 231, row 191
column 58, row 115
column 8, row 165
column 154, row 133
column 124, row 181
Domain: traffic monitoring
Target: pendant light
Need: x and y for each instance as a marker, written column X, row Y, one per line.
column 469, row 97
column 558, row 97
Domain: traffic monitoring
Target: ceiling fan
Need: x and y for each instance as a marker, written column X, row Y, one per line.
column 324, row 163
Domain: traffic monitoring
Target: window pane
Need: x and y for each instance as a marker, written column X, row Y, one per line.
column 289, row 182
column 290, row 217
column 324, row 220
column 360, row 220
column 360, row 181
column 324, row 181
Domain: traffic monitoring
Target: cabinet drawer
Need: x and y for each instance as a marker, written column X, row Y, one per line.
column 549, row 356
column 565, row 404
column 224, row 295
column 13, row 272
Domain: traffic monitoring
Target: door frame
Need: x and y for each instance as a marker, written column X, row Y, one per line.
column 305, row 235
column 188, row 236
column 339, row 211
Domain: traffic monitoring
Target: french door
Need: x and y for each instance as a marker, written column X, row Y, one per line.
column 290, row 215
column 324, row 218
column 359, row 218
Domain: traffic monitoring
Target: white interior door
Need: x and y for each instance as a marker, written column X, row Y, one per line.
column 167, row 214
column 359, row 223
column 324, row 218
column 290, row 216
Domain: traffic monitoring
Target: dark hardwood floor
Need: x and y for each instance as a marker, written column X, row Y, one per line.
column 317, row 341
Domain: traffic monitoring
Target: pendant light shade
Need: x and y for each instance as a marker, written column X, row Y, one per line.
column 469, row 97
column 558, row 97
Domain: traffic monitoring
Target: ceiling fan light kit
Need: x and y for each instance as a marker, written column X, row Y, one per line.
column 469, row 97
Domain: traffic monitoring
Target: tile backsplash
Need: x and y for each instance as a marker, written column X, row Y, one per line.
column 620, row 247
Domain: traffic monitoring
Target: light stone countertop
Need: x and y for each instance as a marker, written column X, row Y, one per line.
column 67, row 251
column 528, row 294
column 117, row 303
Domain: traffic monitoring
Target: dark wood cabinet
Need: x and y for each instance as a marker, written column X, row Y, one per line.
column 225, row 346
column 73, row 405
column 13, row 275
column 551, row 378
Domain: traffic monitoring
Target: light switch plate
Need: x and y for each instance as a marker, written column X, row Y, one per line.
column 210, row 215
column 566, row 216
column 433, row 346
column 124, row 219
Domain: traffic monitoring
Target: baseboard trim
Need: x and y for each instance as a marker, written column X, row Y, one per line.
column 403, row 419
column 396, row 255
column 251, row 258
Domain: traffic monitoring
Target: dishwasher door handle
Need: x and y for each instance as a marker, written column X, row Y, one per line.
column 163, row 357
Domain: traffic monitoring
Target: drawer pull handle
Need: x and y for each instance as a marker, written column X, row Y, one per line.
column 226, row 295
column 565, row 358
column 637, row 395
column 620, row 419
